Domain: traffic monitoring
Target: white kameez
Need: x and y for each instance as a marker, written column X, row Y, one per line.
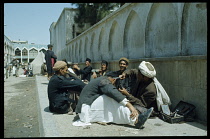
column 104, row 109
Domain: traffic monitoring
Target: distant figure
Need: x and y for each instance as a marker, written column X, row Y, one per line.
column 8, row 70
column 29, row 67
column 15, row 64
column 44, row 68
column 25, row 72
column 50, row 58
column 30, row 70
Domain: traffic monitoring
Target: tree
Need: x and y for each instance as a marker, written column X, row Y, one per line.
column 93, row 12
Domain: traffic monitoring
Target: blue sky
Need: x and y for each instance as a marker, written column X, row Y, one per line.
column 31, row 21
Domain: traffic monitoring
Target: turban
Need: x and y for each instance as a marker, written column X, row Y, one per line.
column 59, row 65
column 147, row 69
column 124, row 59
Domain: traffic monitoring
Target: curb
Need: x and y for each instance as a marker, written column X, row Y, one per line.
column 47, row 126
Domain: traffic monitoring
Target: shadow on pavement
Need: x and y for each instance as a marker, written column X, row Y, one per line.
column 47, row 109
column 198, row 125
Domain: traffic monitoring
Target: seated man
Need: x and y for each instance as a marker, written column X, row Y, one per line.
column 59, row 84
column 145, row 90
column 100, row 101
column 123, row 65
column 86, row 72
column 44, row 68
column 102, row 71
column 25, row 72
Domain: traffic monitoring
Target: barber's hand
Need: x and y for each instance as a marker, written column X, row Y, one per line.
column 134, row 112
column 122, row 76
column 75, row 67
column 123, row 91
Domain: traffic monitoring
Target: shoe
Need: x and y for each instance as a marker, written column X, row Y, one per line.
column 143, row 117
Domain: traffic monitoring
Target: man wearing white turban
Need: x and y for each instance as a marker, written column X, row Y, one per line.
column 145, row 89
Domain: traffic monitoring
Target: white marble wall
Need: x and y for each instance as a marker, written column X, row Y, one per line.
column 140, row 30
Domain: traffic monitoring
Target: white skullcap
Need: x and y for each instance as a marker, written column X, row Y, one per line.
column 147, row 69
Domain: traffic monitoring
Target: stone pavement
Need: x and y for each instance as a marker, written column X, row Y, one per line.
column 60, row 125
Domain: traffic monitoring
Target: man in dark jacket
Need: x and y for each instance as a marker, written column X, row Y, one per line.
column 142, row 91
column 123, row 65
column 86, row 72
column 100, row 101
column 50, row 58
column 59, row 86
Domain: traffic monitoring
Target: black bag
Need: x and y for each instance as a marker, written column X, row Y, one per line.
column 168, row 116
column 182, row 112
column 187, row 110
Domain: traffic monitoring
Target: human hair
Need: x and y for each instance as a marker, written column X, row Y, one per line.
column 58, row 71
column 49, row 46
column 104, row 62
column 64, row 60
column 124, row 61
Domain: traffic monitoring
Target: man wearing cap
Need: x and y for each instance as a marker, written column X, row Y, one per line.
column 86, row 72
column 100, row 101
column 123, row 65
column 59, row 86
column 16, row 65
column 145, row 90
column 50, row 59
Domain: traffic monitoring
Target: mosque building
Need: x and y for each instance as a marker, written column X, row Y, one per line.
column 21, row 50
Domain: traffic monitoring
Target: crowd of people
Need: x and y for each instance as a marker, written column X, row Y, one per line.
column 125, row 96
column 12, row 69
